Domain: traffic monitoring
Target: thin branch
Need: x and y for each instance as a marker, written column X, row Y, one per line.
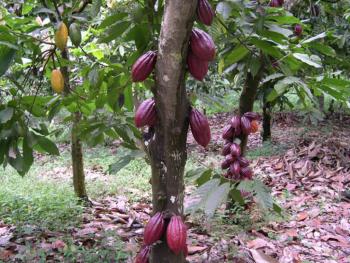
column 83, row 6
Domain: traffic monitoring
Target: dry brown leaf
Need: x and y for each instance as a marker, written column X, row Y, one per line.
column 261, row 257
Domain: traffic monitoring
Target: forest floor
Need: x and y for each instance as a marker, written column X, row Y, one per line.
column 307, row 168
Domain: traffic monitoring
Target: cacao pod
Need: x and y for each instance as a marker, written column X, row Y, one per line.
column 236, row 122
column 205, row 12
column 247, row 173
column 146, row 114
column 57, row 81
column 237, row 132
column 197, row 67
column 186, row 251
column 252, row 115
column 200, row 127
column 235, row 168
column 228, row 133
column 143, row 255
column 75, row 34
column 176, row 234
column 281, row 2
column 61, row 36
column 246, row 126
column 154, row 229
column 275, row 3
column 143, row 66
column 202, row 45
column 298, row 30
column 229, row 159
column 226, row 150
column 244, row 162
column 255, row 126
column 235, row 150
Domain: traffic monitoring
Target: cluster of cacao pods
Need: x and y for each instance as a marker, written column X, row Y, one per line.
column 237, row 165
column 176, row 235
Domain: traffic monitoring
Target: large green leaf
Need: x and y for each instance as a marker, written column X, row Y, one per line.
column 238, row 53
column 6, row 56
column 308, row 60
column 47, row 145
column 6, row 115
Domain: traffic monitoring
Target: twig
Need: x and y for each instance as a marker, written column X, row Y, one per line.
column 83, row 6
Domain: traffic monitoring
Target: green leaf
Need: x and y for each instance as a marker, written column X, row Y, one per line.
column 120, row 164
column 319, row 36
column 47, row 145
column 95, row 7
column 112, row 19
column 238, row 53
column 6, row 115
column 267, row 47
column 324, row 49
column 307, row 60
column 115, row 31
column 261, row 191
column 94, row 77
column 6, row 56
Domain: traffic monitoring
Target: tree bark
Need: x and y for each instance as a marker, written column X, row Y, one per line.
column 76, row 146
column 167, row 150
column 266, row 134
column 247, row 98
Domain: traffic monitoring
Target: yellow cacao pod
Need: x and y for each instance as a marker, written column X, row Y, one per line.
column 61, row 36
column 57, row 81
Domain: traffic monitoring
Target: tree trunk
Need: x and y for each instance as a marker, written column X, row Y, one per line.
column 266, row 134
column 76, row 146
column 168, row 149
column 247, row 98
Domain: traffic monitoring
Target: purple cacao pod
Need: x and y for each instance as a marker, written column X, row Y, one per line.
column 228, row 133
column 226, row 149
column 143, row 66
column 229, row 159
column 275, row 3
column 281, row 2
column 298, row 30
column 205, row 12
column 236, row 122
column 200, row 127
column 235, row 150
column 246, row 126
column 154, row 229
column 202, row 45
column 252, row 115
column 143, row 255
column 197, row 67
column 176, row 234
column 247, row 173
column 235, row 168
column 244, row 162
column 146, row 114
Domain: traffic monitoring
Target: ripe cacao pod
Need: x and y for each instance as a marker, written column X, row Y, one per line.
column 252, row 115
column 229, row 159
column 143, row 66
column 244, row 162
column 205, row 12
column 61, row 36
column 235, row 168
column 176, row 234
column 146, row 114
column 200, row 127
column 246, row 126
column 154, row 229
column 197, row 67
column 57, row 81
column 281, row 2
column 275, row 3
column 228, row 133
column 75, row 34
column 247, row 173
column 202, row 45
column 255, row 126
column 236, row 122
column 226, row 150
column 143, row 255
column 235, row 150
column 298, row 30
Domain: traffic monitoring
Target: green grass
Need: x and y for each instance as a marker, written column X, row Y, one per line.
column 267, row 149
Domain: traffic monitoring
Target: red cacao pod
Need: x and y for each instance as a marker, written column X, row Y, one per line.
column 176, row 234
column 142, row 256
column 197, row 67
column 205, row 12
column 247, row 173
column 236, row 122
column 200, row 127
column 143, row 66
column 252, row 115
column 226, row 150
column 202, row 45
column 298, row 30
column 244, row 162
column 235, row 168
column 235, row 150
column 255, row 126
column 228, row 133
column 275, row 3
column 229, row 159
column 146, row 114
column 154, row 229
column 281, row 2
column 246, row 126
